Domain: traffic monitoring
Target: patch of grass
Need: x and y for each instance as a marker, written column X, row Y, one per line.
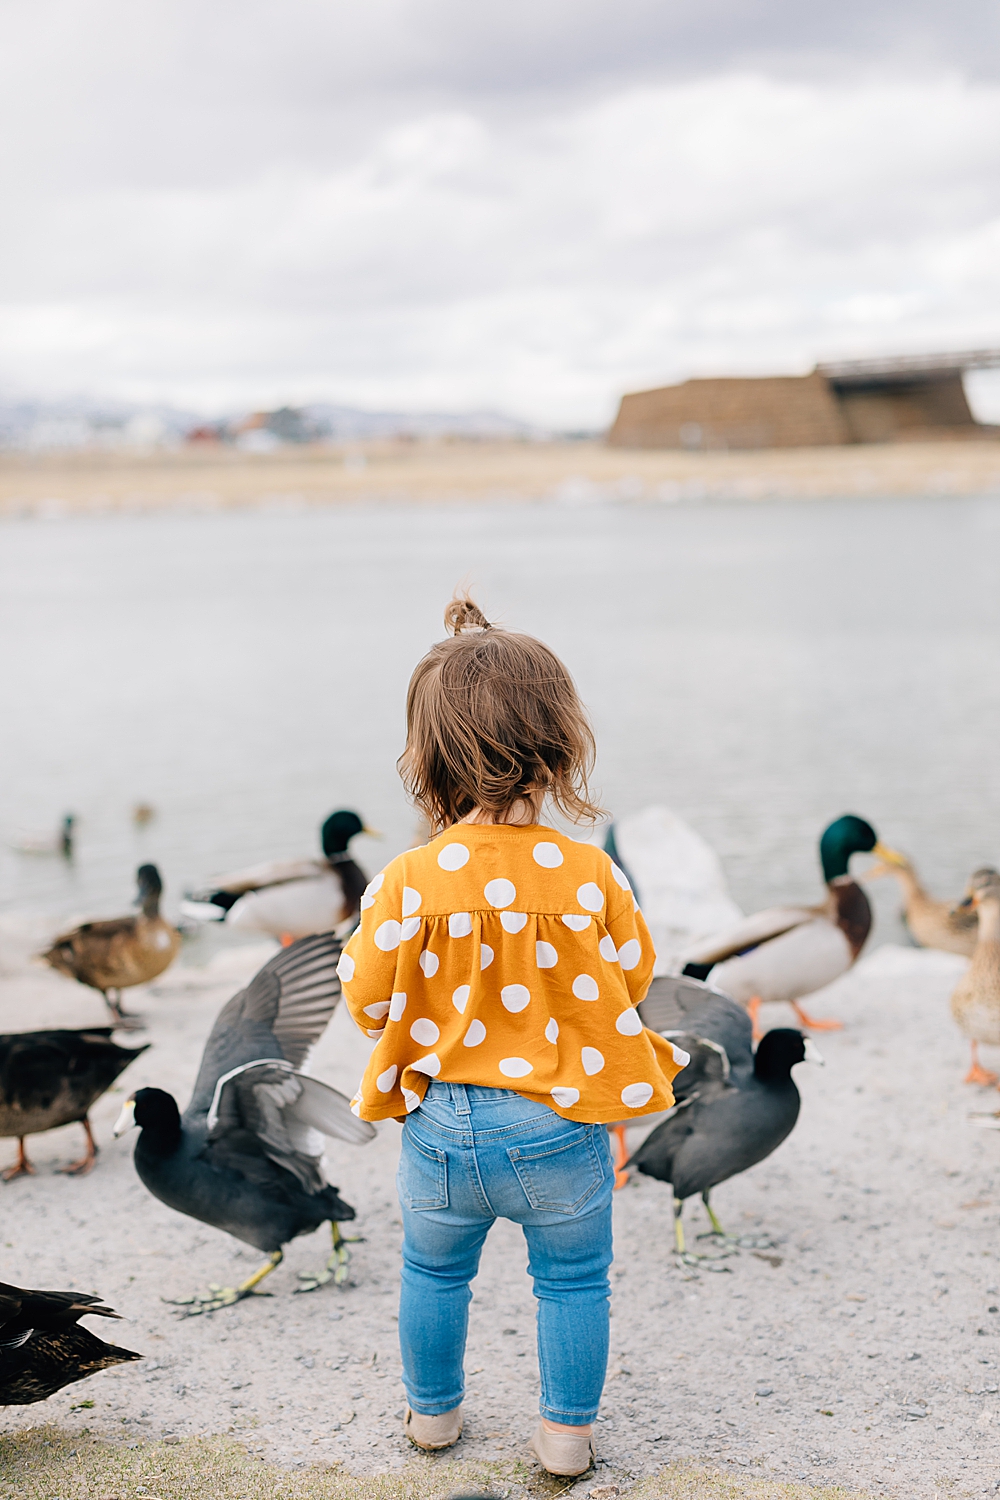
column 45, row 1462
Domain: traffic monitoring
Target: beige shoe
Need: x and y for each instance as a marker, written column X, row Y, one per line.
column 563, row 1452
column 431, row 1433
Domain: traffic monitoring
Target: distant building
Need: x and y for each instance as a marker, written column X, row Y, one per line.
column 911, row 397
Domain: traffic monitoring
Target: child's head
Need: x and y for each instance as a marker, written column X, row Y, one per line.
column 493, row 720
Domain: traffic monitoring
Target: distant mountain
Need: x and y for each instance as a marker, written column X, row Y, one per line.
column 72, row 425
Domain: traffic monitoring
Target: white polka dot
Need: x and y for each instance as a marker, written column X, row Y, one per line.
column 345, row 969
column 366, row 902
column 552, row 1030
column 575, row 922
column 499, row 892
column 620, row 877
column 681, row 1058
column 375, row 884
column 429, row 962
column 566, row 1097
column 459, row 924
column 606, row 948
column 425, row 1032
column 585, row 987
column 356, row 1107
column 637, row 1094
column 387, row 936
column 460, row 998
column 485, row 955
column 628, row 1023
column 411, row 1100
column 546, row 956
column 373, row 1034
column 593, row 1061
column 515, row 997
column 431, row 1065
column 475, row 1034
column 630, row 953
column 512, row 921
column 590, row 896
column 411, row 900
column 453, row 857
column 397, row 1005
column 514, row 1067
column 549, row 856
column 409, row 927
column 386, row 1082
column 378, row 1010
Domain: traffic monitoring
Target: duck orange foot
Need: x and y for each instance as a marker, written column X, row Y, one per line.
column 816, row 1023
column 978, row 1074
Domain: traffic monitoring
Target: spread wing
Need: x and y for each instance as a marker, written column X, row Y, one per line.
column 257, row 877
column 749, row 933
column 296, row 993
column 286, row 1113
column 677, row 1004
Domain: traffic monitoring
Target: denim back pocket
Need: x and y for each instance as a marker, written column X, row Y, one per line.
column 560, row 1175
column 422, row 1179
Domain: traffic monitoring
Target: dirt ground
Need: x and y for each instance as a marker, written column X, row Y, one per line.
column 209, row 478
column 853, row 1339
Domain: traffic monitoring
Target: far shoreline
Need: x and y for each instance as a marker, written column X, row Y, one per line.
column 212, row 478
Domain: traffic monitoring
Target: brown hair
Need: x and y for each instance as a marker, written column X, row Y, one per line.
column 493, row 717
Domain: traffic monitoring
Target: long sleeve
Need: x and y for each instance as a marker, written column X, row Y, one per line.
column 367, row 968
column 630, row 935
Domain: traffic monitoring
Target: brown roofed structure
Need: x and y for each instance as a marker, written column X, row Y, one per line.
column 855, row 401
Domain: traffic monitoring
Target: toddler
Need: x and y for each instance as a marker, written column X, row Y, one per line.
column 499, row 967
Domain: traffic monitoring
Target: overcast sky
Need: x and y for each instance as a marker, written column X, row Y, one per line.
column 528, row 206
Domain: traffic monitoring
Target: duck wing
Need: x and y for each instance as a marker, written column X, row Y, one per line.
column 282, row 1012
column 23, row 1311
column 258, row 877
column 749, row 933
column 676, row 1004
column 286, row 1113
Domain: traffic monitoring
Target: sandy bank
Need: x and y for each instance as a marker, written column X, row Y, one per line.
column 858, row 1347
column 198, row 478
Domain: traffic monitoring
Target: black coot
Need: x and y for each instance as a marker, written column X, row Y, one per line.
column 246, row 1154
column 734, row 1106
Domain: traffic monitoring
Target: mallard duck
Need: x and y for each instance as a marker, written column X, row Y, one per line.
column 677, row 878
column 290, row 898
column 60, row 843
column 734, row 1106
column 975, row 1000
column 930, row 923
column 246, row 1154
column 53, row 1078
column 113, row 955
column 787, row 952
column 42, row 1346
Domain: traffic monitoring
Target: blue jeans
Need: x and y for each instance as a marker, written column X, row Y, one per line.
column 471, row 1155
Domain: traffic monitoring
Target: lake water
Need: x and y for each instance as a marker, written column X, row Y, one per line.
column 758, row 667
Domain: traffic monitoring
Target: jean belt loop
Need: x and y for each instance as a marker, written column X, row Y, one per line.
column 460, row 1099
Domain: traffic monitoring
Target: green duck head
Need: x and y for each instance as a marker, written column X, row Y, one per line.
column 845, row 836
column 338, row 830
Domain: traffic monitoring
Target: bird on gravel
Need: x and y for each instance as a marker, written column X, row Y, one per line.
column 975, row 1002
column 53, row 1078
column 111, row 956
column 290, row 898
column 734, row 1106
column 42, row 1346
column 246, row 1154
column 788, row 952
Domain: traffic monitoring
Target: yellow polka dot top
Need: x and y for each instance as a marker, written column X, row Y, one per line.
column 511, row 958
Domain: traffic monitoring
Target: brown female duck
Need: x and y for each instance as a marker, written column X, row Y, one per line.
column 931, row 923
column 975, row 1001
column 113, row 955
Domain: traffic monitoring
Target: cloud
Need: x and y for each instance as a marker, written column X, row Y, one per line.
column 530, row 208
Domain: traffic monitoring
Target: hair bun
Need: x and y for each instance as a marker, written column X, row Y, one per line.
column 464, row 614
